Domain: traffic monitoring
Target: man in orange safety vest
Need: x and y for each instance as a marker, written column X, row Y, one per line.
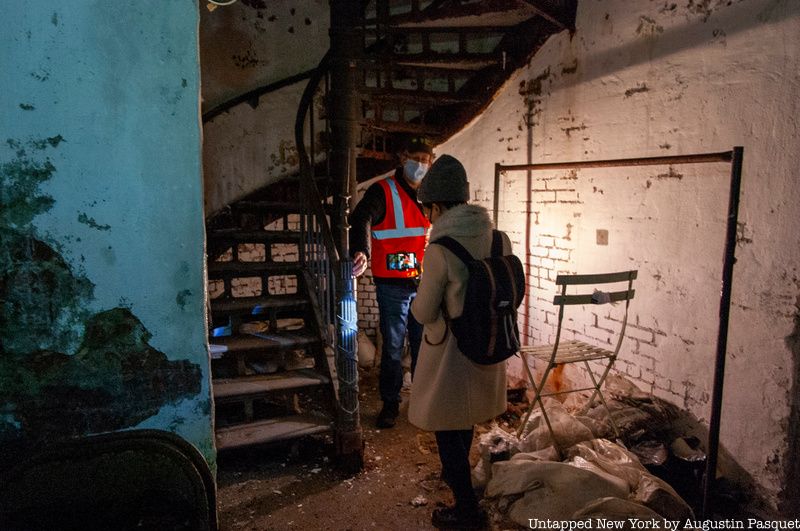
column 397, row 241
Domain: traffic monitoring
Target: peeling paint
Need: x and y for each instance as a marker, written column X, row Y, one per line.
column 26, row 107
column 40, row 75
column 741, row 231
column 89, row 221
column 43, row 302
column 115, row 380
column 181, row 297
column 571, row 68
column 569, row 130
column 648, row 27
column 65, row 371
column 532, row 90
column 668, row 7
column 20, row 200
column 671, row 174
column 636, row 90
column 248, row 59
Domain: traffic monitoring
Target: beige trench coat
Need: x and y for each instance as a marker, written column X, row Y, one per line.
column 449, row 391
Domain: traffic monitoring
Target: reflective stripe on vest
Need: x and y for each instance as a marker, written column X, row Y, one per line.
column 400, row 230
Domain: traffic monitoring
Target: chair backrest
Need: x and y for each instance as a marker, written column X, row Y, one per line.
column 598, row 297
column 595, row 280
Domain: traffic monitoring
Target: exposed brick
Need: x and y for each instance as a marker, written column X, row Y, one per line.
column 558, row 254
column 648, row 377
column 599, row 337
column 567, row 196
column 642, row 334
column 543, row 197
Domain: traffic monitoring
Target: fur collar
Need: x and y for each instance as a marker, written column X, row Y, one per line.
column 462, row 221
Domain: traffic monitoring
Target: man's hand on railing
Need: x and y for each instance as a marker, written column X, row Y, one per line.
column 359, row 264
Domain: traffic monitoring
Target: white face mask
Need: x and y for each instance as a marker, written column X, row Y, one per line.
column 414, row 170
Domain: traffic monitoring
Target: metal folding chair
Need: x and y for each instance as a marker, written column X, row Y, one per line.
column 563, row 352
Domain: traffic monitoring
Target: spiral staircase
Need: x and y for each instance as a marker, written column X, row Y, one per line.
column 281, row 301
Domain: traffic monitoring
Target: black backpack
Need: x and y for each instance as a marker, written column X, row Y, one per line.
column 486, row 332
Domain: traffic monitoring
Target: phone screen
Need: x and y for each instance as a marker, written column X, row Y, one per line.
column 401, row 261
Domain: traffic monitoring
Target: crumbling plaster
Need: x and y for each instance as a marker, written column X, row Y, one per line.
column 663, row 78
column 245, row 46
column 100, row 163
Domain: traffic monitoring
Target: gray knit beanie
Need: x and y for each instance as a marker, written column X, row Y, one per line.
column 445, row 182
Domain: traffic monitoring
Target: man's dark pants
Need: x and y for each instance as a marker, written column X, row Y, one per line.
column 394, row 302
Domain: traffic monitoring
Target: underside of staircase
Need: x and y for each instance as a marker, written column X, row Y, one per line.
column 425, row 68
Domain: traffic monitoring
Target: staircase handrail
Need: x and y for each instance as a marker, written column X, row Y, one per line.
column 311, row 195
column 253, row 95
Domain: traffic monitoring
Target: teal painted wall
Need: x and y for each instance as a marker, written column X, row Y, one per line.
column 102, row 291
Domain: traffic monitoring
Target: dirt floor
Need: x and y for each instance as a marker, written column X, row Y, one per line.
column 297, row 485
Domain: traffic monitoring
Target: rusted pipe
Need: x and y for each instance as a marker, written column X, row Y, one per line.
column 724, row 156
column 722, row 338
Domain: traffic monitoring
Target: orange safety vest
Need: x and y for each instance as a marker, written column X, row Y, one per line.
column 398, row 241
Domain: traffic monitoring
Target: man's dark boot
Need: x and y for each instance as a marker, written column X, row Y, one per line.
column 387, row 418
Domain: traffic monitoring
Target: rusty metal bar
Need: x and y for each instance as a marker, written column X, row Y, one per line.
column 346, row 35
column 722, row 337
column 724, row 156
column 497, row 167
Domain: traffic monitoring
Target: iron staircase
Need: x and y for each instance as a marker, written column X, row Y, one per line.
column 281, row 299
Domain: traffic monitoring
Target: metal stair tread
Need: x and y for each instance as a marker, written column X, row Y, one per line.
column 247, row 305
column 284, row 340
column 259, row 384
column 263, row 236
column 232, row 267
column 270, row 430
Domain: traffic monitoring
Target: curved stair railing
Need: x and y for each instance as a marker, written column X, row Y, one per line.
column 329, row 279
column 318, row 253
column 425, row 72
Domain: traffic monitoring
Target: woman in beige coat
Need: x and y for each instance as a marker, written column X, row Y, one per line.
column 451, row 393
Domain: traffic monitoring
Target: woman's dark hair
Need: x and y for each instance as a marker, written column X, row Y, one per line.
column 447, row 205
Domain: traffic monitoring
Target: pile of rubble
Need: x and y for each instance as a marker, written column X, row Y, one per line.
column 583, row 474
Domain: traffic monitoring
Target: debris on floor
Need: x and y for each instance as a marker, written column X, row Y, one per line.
column 520, row 477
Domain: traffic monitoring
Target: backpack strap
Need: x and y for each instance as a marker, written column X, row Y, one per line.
column 456, row 248
column 497, row 243
column 462, row 254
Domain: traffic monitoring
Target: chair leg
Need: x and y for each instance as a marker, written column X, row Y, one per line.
column 536, row 394
column 537, row 399
column 598, row 392
column 556, row 445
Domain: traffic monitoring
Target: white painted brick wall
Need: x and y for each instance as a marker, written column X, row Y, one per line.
column 367, row 305
column 649, row 82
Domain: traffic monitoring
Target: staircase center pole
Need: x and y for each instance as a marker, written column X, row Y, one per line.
column 346, row 44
